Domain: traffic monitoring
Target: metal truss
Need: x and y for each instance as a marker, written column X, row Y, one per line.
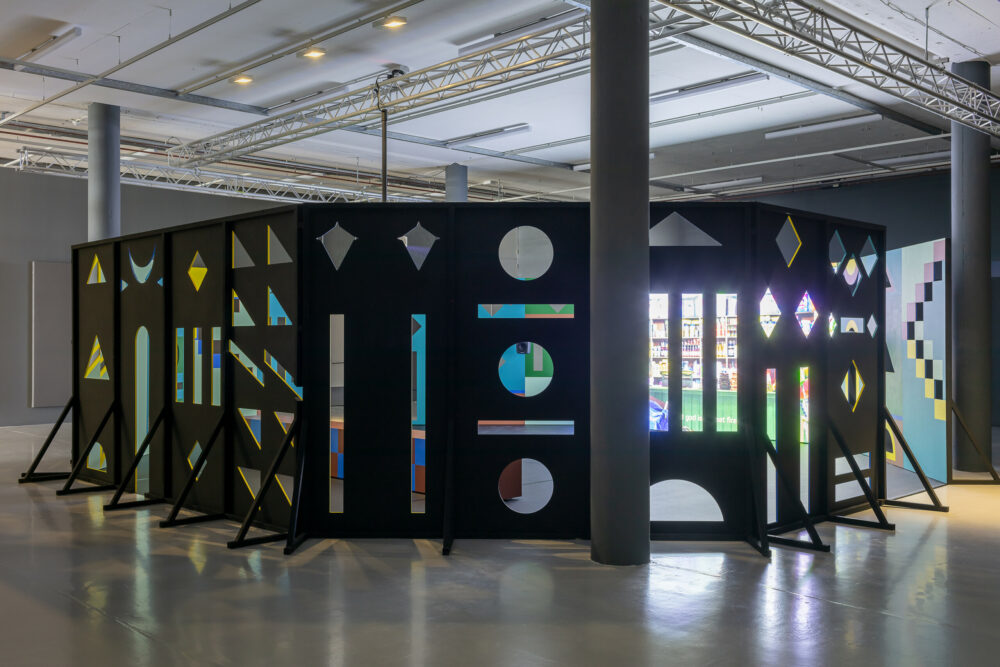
column 809, row 34
column 195, row 180
column 555, row 45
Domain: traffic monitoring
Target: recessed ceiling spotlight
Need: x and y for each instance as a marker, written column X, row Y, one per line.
column 243, row 79
column 391, row 22
column 313, row 52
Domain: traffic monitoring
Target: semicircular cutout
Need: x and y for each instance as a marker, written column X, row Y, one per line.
column 681, row 500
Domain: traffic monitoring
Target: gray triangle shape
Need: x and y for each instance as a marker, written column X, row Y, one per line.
column 276, row 252
column 675, row 230
column 241, row 258
column 493, row 308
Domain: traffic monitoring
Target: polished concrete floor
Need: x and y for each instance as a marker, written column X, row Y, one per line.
column 80, row 587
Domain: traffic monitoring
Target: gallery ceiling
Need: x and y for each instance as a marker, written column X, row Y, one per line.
column 708, row 142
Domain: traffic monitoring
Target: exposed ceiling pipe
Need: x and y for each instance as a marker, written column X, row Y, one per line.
column 134, row 59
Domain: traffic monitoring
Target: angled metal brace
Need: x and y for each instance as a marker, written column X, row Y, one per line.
column 82, row 461
column 130, row 473
column 756, row 503
column 295, row 538
column 241, row 536
column 172, row 519
column 32, row 476
column 882, row 523
column 815, row 543
column 935, row 505
column 982, row 457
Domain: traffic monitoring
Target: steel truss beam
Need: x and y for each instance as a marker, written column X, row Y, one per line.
column 555, row 46
column 195, row 180
column 807, row 33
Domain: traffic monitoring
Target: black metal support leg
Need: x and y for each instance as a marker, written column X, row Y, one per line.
column 32, row 476
column 82, row 461
column 882, row 523
column 815, row 543
column 130, row 473
column 172, row 519
column 295, row 538
column 936, row 505
column 241, row 536
column 979, row 450
column 760, row 543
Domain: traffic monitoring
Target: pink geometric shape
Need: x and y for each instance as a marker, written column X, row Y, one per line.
column 911, row 312
column 918, row 292
column 939, row 254
column 929, row 272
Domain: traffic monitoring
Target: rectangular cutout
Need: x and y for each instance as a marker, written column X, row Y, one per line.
column 804, row 436
column 771, row 410
column 847, row 490
column 525, row 427
column 179, row 365
column 726, row 328
column 336, row 414
column 196, row 365
column 418, row 414
column 216, row 365
column 842, row 467
column 692, row 362
column 659, row 362
column 525, row 311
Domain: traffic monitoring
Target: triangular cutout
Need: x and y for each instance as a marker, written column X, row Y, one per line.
column 241, row 318
column 96, row 276
column 276, row 253
column 418, row 243
column 252, row 419
column 97, row 460
column 124, row 285
column 241, row 258
column 676, row 230
column 889, row 367
column 251, row 478
column 96, row 370
column 276, row 315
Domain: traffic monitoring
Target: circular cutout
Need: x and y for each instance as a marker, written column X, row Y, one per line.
column 525, row 369
column 525, row 486
column 525, row 253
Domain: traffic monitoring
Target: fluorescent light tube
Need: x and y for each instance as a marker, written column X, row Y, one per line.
column 487, row 134
column 586, row 165
column 545, row 25
column 906, row 159
column 728, row 184
column 707, row 87
column 827, row 125
column 51, row 44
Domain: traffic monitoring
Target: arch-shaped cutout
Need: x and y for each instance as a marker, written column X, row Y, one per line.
column 681, row 500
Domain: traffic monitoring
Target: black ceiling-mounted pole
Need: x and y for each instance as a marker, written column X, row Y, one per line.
column 385, row 171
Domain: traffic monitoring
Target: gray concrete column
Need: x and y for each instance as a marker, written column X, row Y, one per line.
column 970, row 279
column 103, row 174
column 456, row 182
column 619, row 282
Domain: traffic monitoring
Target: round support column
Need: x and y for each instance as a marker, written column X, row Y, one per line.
column 103, row 172
column 456, row 182
column 970, row 280
column 619, row 282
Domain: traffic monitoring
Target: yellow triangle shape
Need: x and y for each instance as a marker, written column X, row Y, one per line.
column 197, row 271
column 96, row 275
column 96, row 369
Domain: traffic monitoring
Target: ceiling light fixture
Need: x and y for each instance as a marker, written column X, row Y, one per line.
column 487, row 134
column 51, row 44
column 707, row 87
column 826, row 125
column 586, row 165
column 728, row 184
column 391, row 22
column 921, row 157
column 242, row 79
column 313, row 52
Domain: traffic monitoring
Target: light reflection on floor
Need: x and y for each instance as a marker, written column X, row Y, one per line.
column 78, row 586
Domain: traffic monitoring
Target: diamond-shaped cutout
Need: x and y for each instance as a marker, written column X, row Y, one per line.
column 806, row 314
column 193, row 457
column 837, row 252
column 869, row 256
column 197, row 271
column 852, row 275
column 418, row 242
column 872, row 325
column 769, row 313
column 831, row 324
column 852, row 386
column 337, row 241
column 788, row 241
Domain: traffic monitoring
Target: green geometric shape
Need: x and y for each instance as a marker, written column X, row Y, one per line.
column 276, row 315
column 97, row 460
column 282, row 374
column 141, row 273
column 96, row 370
column 245, row 361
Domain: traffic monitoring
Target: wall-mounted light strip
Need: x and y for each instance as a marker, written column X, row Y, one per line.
column 707, row 87
column 827, row 125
